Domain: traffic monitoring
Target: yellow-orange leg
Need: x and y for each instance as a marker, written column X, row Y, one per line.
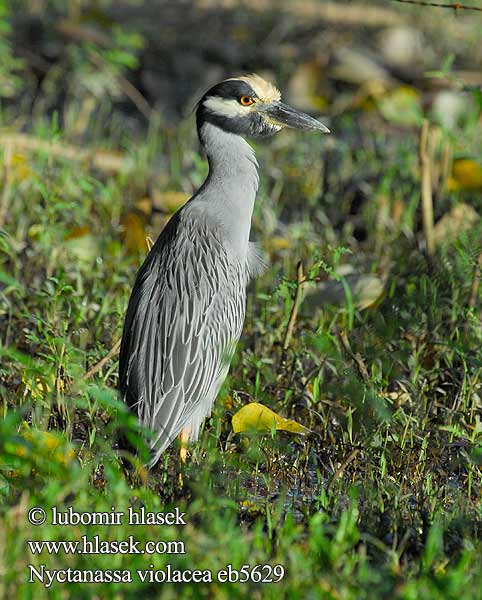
column 184, row 438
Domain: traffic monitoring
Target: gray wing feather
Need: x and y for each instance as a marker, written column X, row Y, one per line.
column 184, row 318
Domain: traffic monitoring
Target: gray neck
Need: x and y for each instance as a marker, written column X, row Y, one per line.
column 231, row 186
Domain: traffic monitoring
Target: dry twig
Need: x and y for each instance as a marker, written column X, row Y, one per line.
column 339, row 472
column 355, row 356
column 453, row 5
column 81, row 33
column 97, row 367
column 329, row 12
column 300, row 280
column 103, row 160
column 7, row 161
column 127, row 88
column 474, row 290
column 446, row 164
column 426, row 149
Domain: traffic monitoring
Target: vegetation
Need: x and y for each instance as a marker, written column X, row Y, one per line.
column 366, row 328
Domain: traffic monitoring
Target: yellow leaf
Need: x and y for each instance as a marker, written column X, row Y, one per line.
column 402, row 106
column 169, row 201
column 134, row 233
column 466, row 175
column 251, row 508
column 19, row 450
column 258, row 418
column 20, row 167
column 228, row 402
column 144, row 205
column 44, row 445
column 52, row 442
column 37, row 387
column 78, row 232
column 278, row 242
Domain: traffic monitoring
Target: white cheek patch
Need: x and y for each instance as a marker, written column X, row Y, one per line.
column 225, row 108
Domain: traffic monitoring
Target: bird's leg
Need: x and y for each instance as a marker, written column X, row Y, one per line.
column 184, row 438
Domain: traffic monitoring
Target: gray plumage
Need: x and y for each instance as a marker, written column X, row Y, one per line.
column 187, row 308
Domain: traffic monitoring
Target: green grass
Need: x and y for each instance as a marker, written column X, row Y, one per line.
column 383, row 499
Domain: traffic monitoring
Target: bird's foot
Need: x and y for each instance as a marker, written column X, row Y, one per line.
column 184, row 439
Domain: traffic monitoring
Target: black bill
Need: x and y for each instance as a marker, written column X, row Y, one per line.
column 282, row 114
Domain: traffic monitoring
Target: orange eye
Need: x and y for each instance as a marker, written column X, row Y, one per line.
column 246, row 100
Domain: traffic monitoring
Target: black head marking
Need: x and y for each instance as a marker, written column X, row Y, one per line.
column 231, row 89
column 251, row 124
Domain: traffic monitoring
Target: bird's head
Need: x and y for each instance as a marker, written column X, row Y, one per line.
column 251, row 106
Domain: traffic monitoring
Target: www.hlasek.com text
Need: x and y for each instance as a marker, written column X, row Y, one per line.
column 96, row 545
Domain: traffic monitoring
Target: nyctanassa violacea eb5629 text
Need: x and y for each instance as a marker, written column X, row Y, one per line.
column 187, row 308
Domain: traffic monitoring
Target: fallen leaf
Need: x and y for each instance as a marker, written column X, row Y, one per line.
column 168, row 201
column 305, row 85
column 36, row 387
column 466, row 175
column 82, row 244
column 353, row 65
column 402, row 106
column 20, row 167
column 78, row 232
column 144, row 205
column 255, row 417
column 367, row 291
column 134, row 233
column 277, row 242
column 460, row 218
column 228, row 402
column 251, row 508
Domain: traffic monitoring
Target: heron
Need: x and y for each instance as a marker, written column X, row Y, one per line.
column 187, row 307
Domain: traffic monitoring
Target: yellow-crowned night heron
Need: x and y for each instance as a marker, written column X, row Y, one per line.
column 187, row 308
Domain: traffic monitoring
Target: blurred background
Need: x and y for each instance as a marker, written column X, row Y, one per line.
column 118, row 83
column 366, row 328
